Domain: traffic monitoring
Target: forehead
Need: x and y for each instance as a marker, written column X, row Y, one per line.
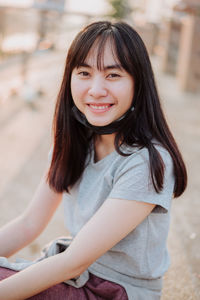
column 102, row 55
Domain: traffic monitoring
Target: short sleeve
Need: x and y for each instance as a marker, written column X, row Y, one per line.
column 133, row 181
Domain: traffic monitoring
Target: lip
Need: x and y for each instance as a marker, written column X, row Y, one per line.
column 99, row 107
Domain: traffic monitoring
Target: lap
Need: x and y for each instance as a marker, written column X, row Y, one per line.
column 95, row 289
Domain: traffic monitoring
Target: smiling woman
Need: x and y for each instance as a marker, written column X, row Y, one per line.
column 117, row 167
column 102, row 93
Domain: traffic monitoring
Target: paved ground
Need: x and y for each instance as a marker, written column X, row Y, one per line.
column 183, row 114
column 25, row 140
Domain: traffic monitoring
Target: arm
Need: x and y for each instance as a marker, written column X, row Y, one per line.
column 26, row 227
column 111, row 223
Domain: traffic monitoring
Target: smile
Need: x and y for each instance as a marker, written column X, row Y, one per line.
column 100, row 107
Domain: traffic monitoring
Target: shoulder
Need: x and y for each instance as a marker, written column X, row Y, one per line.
column 132, row 179
column 136, row 156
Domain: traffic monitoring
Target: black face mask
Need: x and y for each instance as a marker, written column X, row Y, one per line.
column 107, row 129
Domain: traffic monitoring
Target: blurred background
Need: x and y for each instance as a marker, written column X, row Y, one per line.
column 34, row 38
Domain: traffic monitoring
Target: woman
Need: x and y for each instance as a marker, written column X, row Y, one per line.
column 117, row 166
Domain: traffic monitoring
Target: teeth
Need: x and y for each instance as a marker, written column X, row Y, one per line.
column 99, row 107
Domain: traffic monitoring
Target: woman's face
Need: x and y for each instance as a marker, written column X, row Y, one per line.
column 103, row 95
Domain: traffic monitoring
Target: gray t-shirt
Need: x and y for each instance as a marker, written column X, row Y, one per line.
column 141, row 258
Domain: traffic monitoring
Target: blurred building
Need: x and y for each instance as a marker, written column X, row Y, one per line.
column 188, row 63
column 149, row 17
column 171, row 30
column 181, row 51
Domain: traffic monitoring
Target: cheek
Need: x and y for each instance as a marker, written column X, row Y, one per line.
column 76, row 94
column 126, row 92
column 77, row 89
column 74, row 87
column 130, row 91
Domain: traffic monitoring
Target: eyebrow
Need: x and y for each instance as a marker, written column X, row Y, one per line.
column 115, row 66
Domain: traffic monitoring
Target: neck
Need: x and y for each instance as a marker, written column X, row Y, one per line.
column 106, row 140
column 104, row 145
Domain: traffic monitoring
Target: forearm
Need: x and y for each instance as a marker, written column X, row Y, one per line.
column 39, row 277
column 14, row 236
column 24, row 229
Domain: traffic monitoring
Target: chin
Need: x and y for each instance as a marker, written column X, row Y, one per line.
column 98, row 123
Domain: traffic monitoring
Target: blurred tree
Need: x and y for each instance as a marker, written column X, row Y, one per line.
column 121, row 9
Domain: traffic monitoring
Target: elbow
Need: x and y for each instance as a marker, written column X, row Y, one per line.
column 78, row 269
column 74, row 265
column 81, row 270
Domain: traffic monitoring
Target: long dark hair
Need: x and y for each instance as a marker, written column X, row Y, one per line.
column 146, row 123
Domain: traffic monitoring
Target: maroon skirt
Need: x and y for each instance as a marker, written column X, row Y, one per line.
column 95, row 288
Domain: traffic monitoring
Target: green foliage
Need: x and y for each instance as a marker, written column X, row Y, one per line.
column 120, row 9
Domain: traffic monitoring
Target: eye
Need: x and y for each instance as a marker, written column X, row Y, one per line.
column 83, row 73
column 113, row 75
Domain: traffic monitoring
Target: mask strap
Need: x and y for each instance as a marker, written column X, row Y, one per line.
column 108, row 129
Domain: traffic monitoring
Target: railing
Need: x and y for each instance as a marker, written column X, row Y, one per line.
column 28, row 32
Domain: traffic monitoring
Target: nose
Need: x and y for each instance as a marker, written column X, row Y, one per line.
column 97, row 88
